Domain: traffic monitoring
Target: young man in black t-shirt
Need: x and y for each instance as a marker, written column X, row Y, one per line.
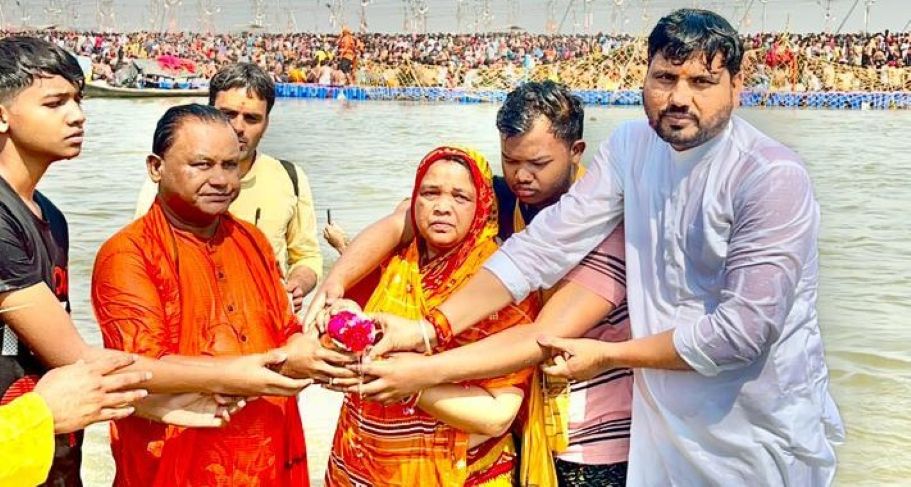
column 541, row 149
column 41, row 122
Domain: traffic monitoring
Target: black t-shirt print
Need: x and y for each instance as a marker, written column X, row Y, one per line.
column 33, row 250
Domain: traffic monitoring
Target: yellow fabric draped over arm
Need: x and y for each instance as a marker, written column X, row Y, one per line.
column 546, row 428
column 26, row 441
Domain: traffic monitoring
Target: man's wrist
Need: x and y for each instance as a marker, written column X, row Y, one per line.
column 291, row 367
column 301, row 274
column 220, row 384
column 332, row 282
column 607, row 355
column 435, row 371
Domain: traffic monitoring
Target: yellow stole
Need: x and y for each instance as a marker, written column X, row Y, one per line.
column 546, row 431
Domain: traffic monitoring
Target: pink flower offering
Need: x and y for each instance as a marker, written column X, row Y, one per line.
column 352, row 331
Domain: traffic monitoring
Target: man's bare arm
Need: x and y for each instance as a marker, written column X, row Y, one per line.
column 483, row 295
column 39, row 320
column 41, row 323
column 570, row 313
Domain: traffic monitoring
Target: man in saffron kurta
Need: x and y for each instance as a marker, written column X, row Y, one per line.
column 160, row 291
column 190, row 282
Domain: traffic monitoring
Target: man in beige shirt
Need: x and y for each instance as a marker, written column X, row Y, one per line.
column 274, row 195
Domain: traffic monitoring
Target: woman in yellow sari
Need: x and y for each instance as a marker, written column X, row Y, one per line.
column 456, row 434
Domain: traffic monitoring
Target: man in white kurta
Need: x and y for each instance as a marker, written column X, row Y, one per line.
column 722, row 263
column 721, row 249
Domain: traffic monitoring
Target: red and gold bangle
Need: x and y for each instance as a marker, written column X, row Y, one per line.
column 441, row 326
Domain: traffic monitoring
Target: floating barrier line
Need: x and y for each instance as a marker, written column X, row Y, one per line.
column 808, row 99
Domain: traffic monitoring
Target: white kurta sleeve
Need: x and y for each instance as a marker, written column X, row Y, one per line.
column 561, row 235
column 773, row 237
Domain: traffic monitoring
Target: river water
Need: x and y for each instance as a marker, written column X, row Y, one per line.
column 360, row 158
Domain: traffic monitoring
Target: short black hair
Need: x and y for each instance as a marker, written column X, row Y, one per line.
column 243, row 75
column 166, row 129
column 687, row 32
column 531, row 100
column 22, row 59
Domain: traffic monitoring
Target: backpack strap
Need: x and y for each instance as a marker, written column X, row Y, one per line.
column 292, row 173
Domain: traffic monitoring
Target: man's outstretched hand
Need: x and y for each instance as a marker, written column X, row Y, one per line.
column 190, row 410
column 307, row 358
column 91, row 391
column 574, row 358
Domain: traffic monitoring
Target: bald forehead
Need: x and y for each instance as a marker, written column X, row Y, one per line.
column 197, row 135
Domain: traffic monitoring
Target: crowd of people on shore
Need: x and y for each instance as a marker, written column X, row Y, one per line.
column 778, row 61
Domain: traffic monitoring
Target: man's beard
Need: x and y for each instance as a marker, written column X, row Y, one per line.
column 705, row 129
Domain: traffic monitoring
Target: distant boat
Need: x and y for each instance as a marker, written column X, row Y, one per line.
column 102, row 90
column 148, row 78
